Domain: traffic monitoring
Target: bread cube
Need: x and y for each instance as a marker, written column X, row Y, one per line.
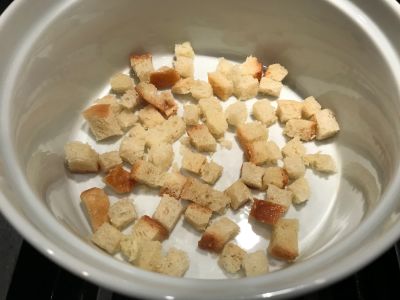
column 198, row 216
column 270, row 87
column 310, row 107
column 250, row 132
column 168, row 212
column 227, row 144
column 218, row 234
column 163, row 101
column 239, row 194
column 273, row 152
column 276, row 72
column 173, row 185
column 102, row 121
column 107, row 238
column 252, row 175
column 150, row 255
column 284, row 240
column 300, row 189
column 231, row 258
column 111, row 100
column 264, row 112
column 221, row 85
column 184, row 49
column 191, row 114
column 120, row 83
column 276, row 176
column 96, row 203
column 149, row 229
column 210, row 172
column 192, row 161
column 255, row 264
column 294, row 147
column 138, row 132
column 245, row 87
column 142, row 65
column 279, row 196
column 184, row 66
column 130, row 247
column 201, row 89
column 182, row 86
column 161, row 155
column 119, row 180
column 294, row 166
column 122, row 213
column 81, row 158
column 304, row 129
column 225, row 67
column 109, row 160
column 267, row 212
column 164, row 77
column 201, row 138
column 288, row 110
column 209, row 105
column 257, row 152
column 175, row 263
column 147, row 173
column 129, row 100
column 320, row 162
column 252, row 67
column 236, row 113
column 327, row 125
column 214, row 115
column 126, row 119
column 132, row 149
column 174, row 128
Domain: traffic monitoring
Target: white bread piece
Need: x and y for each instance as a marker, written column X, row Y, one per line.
column 138, row 132
column 182, row 87
column 161, row 155
column 130, row 247
column 150, row 255
column 284, row 240
column 288, row 109
column 250, row 132
column 132, row 149
column 300, row 189
column 255, row 264
column 279, row 196
column 264, row 112
column 198, row 216
column 108, row 238
column 184, row 49
column 327, row 125
column 118, row 179
column 276, row 176
column 102, row 121
column 149, row 229
column 245, row 87
column 130, row 99
column 150, row 117
column 147, row 173
column 163, row 101
column 251, row 66
column 191, row 114
column 122, row 213
column 304, row 129
column 173, row 185
column 192, row 161
column 221, row 85
column 164, row 77
column 109, row 160
column 214, row 115
column 231, row 258
column 142, row 65
column 239, row 194
column 218, row 234
column 126, row 119
column 120, row 83
column 210, row 172
column 168, row 132
column 294, row 147
column 225, row 67
column 81, row 158
column 201, row 89
column 276, row 72
column 201, row 138
column 252, row 175
column 310, row 107
column 175, row 263
column 294, row 166
column 236, row 113
column 270, row 87
column 320, row 162
column 96, row 204
column 273, row 152
column 184, row 66
column 168, row 212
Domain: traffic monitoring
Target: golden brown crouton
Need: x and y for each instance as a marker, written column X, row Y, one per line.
column 284, row 240
column 198, row 216
column 267, row 212
column 81, row 158
column 107, row 238
column 142, row 65
column 239, row 194
column 276, row 72
column 119, row 180
column 218, row 234
column 163, row 101
column 147, row 173
column 97, row 204
column 164, row 77
column 201, row 138
column 150, row 229
column 251, row 67
column 231, row 258
column 221, row 85
column 304, row 129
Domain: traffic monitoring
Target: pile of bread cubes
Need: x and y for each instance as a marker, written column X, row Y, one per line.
column 145, row 114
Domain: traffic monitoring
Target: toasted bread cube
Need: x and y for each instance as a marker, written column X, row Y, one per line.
column 304, row 129
column 250, row 132
column 174, row 128
column 252, row 175
column 96, row 204
column 231, row 258
column 210, row 172
column 288, row 110
column 173, row 185
column 192, row 161
column 168, row 212
column 300, row 189
column 184, row 49
column 182, row 87
column 284, row 240
column 294, row 166
column 150, row 117
column 120, row 83
column 164, row 101
column 191, row 114
column 245, row 87
column 201, row 89
column 142, row 65
column 147, row 173
column 150, row 229
column 126, row 119
column 119, row 180
column 129, row 99
column 198, row 216
column 279, row 196
column 130, row 247
column 255, row 264
column 102, row 121
column 122, row 213
column 218, row 234
column 132, row 149
column 236, row 113
column 310, row 107
column 112, row 100
column 264, row 112
column 276, row 72
column 201, row 138
column 161, row 155
column 239, row 194
column 251, row 67
column 273, row 151
column 109, row 160
column 221, row 85
column 107, row 238
column 270, row 87
column 327, row 125
column 150, row 255
column 276, row 176
column 225, row 67
column 208, row 105
column 294, row 147
column 320, row 162
column 267, row 212
column 214, row 115
column 257, row 152
column 164, row 77
column 175, row 263
column 184, row 66
column 81, row 158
